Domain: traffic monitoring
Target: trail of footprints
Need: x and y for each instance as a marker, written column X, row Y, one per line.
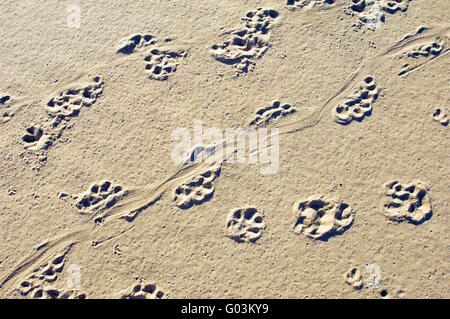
column 61, row 109
column 41, row 283
column 44, row 283
column 249, row 43
column 317, row 217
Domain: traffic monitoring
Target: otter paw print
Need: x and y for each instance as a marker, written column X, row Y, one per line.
column 69, row 102
column 359, row 104
column 162, row 62
column 260, row 20
column 267, row 114
column 372, row 12
column 244, row 225
column 426, row 50
column 46, row 274
column 140, row 291
column 196, row 190
column 320, row 218
column 248, row 43
column 417, row 55
column 100, row 195
column 241, row 51
column 407, row 202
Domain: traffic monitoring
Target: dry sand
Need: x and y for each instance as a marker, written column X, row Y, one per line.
column 92, row 204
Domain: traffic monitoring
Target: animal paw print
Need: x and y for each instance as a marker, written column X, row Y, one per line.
column 136, row 42
column 372, row 11
column 100, row 195
column 196, row 190
column 300, row 4
column 68, row 103
column 260, row 20
column 441, row 116
column 267, row 114
column 354, row 278
column 430, row 49
column 162, row 62
column 419, row 55
column 61, row 108
column 35, row 139
column 320, row 218
column 42, row 276
column 359, row 104
column 53, row 293
column 140, row 291
column 392, row 6
column 409, row 202
column 244, row 225
column 247, row 44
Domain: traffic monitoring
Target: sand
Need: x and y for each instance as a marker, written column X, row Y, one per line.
column 353, row 95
